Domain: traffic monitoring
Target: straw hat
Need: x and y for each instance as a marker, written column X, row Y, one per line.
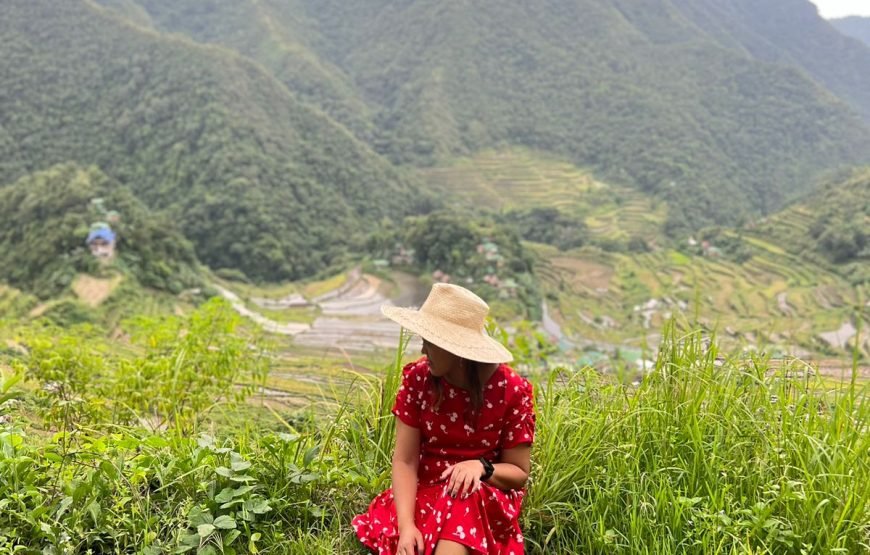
column 452, row 318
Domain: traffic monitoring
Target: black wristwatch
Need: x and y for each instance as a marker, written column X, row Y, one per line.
column 488, row 469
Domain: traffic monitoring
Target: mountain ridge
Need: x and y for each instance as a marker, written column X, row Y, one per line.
column 215, row 141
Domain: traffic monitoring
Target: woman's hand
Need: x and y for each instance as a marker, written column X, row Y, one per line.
column 410, row 541
column 463, row 478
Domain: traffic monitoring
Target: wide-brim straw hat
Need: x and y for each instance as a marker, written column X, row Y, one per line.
column 452, row 318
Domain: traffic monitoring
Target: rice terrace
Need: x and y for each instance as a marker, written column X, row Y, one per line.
column 255, row 254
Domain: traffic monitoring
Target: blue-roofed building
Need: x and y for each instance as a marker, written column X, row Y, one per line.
column 101, row 241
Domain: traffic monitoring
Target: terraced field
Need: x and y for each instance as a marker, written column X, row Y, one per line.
column 521, row 179
column 773, row 301
column 335, row 342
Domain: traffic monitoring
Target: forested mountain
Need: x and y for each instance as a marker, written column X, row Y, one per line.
column 644, row 95
column 45, row 219
column 276, row 33
column 267, row 128
column 788, row 32
column 255, row 178
column 855, row 27
column 639, row 92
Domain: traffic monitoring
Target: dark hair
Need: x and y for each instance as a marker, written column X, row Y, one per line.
column 475, row 389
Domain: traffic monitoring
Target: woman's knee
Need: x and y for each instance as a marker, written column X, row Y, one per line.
column 447, row 547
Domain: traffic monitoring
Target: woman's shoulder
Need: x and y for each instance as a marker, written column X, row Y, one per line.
column 513, row 382
column 417, row 370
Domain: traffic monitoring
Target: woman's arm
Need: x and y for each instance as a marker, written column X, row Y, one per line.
column 510, row 472
column 406, row 459
column 512, row 468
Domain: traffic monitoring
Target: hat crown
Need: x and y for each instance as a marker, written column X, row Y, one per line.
column 457, row 305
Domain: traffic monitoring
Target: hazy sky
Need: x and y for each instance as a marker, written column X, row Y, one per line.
column 841, row 8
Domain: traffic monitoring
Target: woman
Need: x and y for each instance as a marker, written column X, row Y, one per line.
column 464, row 428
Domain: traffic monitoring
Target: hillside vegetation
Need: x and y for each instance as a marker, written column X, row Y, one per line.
column 611, row 277
column 788, row 32
column 829, row 228
column 639, row 95
column 45, row 219
column 720, row 120
column 255, row 179
column 276, row 33
column 151, row 448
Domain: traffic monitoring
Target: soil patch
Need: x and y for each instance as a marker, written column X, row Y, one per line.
column 93, row 291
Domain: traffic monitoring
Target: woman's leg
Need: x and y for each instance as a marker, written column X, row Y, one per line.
column 447, row 547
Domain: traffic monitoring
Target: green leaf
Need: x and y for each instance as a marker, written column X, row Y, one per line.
column 252, row 547
column 242, row 490
column 231, row 536
column 223, row 471
column 310, row 454
column 258, row 506
column 205, row 530
column 225, row 495
column 64, row 505
column 156, row 442
column 238, row 463
column 225, row 522
column 198, row 515
column 239, row 466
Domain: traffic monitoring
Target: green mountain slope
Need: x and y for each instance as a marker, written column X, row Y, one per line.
column 829, row 228
column 788, row 32
column 274, row 33
column 640, row 94
column 255, row 179
column 45, row 219
column 855, row 27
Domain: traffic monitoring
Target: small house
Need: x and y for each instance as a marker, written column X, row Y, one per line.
column 101, row 241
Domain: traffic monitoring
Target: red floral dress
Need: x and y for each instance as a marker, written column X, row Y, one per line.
column 486, row 522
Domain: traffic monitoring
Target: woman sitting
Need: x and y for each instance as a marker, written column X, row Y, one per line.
column 464, row 429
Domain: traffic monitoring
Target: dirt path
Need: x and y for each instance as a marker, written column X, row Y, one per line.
column 267, row 324
column 350, row 315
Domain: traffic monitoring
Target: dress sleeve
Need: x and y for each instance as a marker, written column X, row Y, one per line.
column 410, row 394
column 519, row 425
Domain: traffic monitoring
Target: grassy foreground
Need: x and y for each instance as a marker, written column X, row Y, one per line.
column 149, row 449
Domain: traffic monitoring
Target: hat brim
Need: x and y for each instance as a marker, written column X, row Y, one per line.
column 451, row 337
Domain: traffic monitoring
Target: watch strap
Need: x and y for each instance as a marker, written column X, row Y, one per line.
column 488, row 469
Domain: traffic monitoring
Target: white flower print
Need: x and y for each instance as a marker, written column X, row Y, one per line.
column 460, row 532
column 453, row 416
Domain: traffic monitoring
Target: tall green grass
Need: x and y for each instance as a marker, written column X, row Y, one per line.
column 700, row 458
column 703, row 456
